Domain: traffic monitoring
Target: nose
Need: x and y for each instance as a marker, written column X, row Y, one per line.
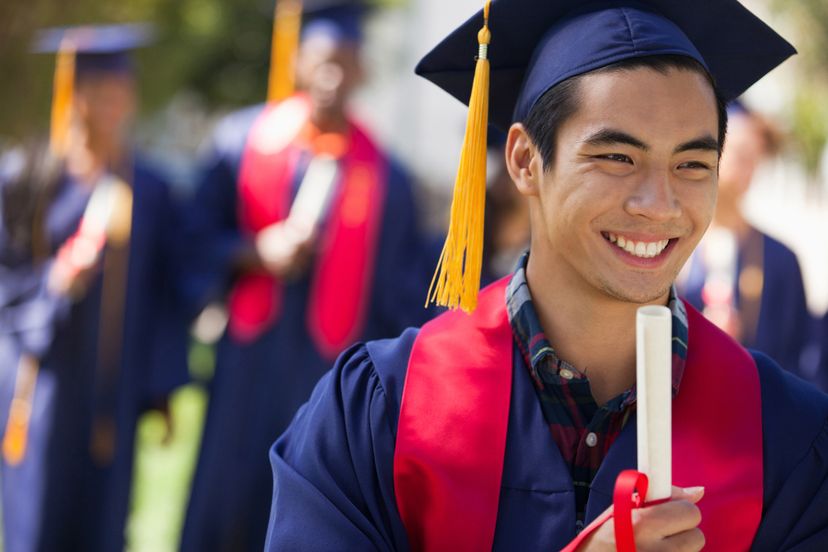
column 654, row 198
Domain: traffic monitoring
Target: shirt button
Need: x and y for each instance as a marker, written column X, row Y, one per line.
column 566, row 374
column 591, row 439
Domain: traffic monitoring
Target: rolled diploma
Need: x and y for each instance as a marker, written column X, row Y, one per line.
column 654, row 398
column 315, row 192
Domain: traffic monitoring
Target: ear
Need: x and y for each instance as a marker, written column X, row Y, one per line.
column 523, row 160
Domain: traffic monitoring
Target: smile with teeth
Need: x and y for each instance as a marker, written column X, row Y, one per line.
column 641, row 249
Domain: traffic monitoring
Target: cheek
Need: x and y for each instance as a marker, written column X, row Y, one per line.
column 699, row 202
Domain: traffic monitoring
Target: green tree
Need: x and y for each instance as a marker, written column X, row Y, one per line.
column 810, row 109
column 218, row 48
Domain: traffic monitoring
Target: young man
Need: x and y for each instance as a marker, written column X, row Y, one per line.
column 296, row 295
column 507, row 429
column 89, row 337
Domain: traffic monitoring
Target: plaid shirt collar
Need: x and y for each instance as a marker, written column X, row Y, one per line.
column 538, row 351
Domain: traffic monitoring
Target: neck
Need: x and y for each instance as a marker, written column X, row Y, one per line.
column 587, row 328
column 329, row 121
column 93, row 155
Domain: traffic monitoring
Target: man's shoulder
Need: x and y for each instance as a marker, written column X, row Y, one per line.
column 229, row 136
column 389, row 359
column 779, row 256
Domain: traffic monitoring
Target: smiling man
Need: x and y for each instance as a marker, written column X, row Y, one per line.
column 506, row 429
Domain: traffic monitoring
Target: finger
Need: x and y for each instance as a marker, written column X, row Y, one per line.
column 686, row 541
column 668, row 518
column 693, row 494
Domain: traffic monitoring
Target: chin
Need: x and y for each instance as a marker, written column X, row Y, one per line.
column 637, row 294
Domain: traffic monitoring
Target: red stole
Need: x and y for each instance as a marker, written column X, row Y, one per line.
column 449, row 453
column 340, row 287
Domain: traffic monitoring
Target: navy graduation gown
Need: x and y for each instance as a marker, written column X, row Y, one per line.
column 58, row 498
column 783, row 328
column 333, row 468
column 258, row 386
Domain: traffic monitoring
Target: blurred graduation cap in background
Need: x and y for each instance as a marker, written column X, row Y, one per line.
column 537, row 44
column 339, row 20
column 98, row 48
column 84, row 51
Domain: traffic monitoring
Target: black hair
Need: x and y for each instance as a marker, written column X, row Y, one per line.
column 561, row 102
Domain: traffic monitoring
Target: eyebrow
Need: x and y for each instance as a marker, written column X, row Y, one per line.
column 705, row 143
column 609, row 136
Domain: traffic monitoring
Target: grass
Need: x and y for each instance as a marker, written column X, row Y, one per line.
column 163, row 472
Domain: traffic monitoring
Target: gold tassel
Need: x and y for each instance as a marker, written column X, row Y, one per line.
column 63, row 92
column 16, row 436
column 456, row 280
column 287, row 23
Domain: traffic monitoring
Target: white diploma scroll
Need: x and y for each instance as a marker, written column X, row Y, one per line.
column 315, row 192
column 654, row 397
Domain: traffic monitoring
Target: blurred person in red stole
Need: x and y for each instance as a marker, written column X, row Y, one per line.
column 90, row 337
column 746, row 282
column 513, row 425
column 309, row 231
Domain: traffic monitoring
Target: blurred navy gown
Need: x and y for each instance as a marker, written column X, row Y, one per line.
column 258, row 386
column 784, row 325
column 59, row 498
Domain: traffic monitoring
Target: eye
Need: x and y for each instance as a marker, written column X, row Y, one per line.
column 617, row 157
column 695, row 165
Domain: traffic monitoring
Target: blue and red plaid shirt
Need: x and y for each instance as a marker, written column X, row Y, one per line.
column 582, row 429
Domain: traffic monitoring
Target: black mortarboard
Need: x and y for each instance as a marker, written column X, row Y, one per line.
column 537, row 44
column 98, row 48
column 340, row 23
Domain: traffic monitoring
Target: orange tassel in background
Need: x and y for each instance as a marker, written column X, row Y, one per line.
column 63, row 92
column 287, row 23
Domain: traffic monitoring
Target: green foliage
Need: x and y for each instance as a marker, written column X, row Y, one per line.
column 810, row 109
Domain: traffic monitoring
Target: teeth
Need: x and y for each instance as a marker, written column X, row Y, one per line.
column 639, row 249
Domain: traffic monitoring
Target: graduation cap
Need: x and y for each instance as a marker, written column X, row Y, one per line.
column 98, row 48
column 339, row 20
column 538, row 44
column 82, row 51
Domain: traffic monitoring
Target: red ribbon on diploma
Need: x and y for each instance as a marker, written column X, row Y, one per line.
column 630, row 488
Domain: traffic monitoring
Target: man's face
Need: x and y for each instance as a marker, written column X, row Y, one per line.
column 328, row 71
column 633, row 186
column 106, row 104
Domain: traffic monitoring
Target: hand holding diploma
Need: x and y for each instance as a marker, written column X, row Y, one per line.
column 285, row 248
column 671, row 525
column 672, row 521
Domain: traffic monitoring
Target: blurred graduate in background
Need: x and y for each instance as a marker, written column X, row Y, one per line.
column 309, row 230
column 746, row 282
column 89, row 337
column 506, row 220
